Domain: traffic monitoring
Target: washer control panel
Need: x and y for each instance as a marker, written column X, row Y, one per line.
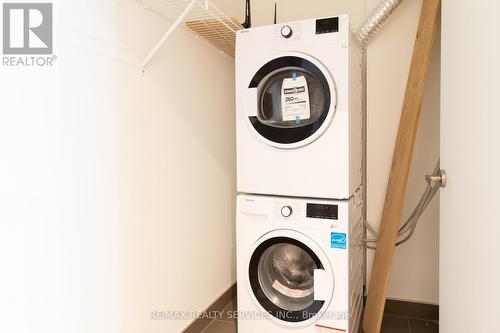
column 291, row 211
column 283, row 212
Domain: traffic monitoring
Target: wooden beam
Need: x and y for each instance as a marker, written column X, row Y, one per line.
column 401, row 161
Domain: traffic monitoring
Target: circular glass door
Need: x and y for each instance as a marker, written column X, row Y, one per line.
column 294, row 100
column 281, row 275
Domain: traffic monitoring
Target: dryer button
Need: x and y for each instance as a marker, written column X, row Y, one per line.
column 286, row 211
column 286, row 31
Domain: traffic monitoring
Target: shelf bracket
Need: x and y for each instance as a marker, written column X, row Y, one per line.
column 180, row 19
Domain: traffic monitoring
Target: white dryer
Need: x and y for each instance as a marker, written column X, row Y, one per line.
column 299, row 111
column 299, row 264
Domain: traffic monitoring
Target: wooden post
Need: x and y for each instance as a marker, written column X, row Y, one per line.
column 401, row 161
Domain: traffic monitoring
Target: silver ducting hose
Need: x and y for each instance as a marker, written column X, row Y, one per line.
column 407, row 229
column 375, row 21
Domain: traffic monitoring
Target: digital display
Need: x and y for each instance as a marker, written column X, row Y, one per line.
column 327, row 25
column 322, row 211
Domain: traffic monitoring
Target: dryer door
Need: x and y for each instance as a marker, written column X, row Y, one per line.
column 290, row 101
column 289, row 279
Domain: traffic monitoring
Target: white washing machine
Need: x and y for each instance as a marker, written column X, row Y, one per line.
column 299, row 264
column 299, row 111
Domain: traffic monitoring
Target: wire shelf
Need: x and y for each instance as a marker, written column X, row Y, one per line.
column 202, row 17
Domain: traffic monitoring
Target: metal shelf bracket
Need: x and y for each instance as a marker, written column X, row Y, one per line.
column 169, row 32
column 200, row 17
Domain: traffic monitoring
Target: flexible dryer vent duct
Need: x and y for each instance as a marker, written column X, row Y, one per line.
column 364, row 34
column 375, row 21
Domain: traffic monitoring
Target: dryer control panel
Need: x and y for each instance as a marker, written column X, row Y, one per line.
column 327, row 25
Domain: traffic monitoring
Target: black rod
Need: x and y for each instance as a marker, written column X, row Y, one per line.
column 275, row 11
column 248, row 16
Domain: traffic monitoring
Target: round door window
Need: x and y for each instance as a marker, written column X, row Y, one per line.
column 282, row 279
column 290, row 97
column 294, row 100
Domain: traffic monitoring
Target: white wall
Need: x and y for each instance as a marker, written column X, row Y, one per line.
column 117, row 187
column 291, row 10
column 177, row 174
column 59, row 213
column 469, row 266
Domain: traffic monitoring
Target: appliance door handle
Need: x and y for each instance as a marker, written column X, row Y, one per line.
column 250, row 100
column 321, row 286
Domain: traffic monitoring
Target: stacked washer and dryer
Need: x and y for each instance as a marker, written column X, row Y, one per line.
column 299, row 171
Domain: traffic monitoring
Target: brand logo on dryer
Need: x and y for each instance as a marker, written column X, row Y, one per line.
column 294, row 90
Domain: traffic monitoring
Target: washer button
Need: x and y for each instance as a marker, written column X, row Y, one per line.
column 286, row 211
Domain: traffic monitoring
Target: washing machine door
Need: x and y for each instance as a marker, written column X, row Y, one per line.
column 290, row 101
column 290, row 278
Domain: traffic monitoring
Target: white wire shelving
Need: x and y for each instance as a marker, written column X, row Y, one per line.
column 201, row 17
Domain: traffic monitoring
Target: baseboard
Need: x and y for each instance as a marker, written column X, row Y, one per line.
column 218, row 305
column 411, row 309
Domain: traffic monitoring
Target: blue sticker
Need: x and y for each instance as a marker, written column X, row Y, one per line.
column 294, row 76
column 338, row 240
column 297, row 120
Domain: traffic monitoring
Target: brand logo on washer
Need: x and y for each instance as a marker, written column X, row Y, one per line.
column 294, row 90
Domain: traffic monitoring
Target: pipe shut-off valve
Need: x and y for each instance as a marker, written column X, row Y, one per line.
column 438, row 179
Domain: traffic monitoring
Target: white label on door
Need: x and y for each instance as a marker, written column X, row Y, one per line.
column 250, row 100
column 293, row 293
column 295, row 99
column 320, row 285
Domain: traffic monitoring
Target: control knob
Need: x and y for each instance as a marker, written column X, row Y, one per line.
column 286, row 211
column 286, row 31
